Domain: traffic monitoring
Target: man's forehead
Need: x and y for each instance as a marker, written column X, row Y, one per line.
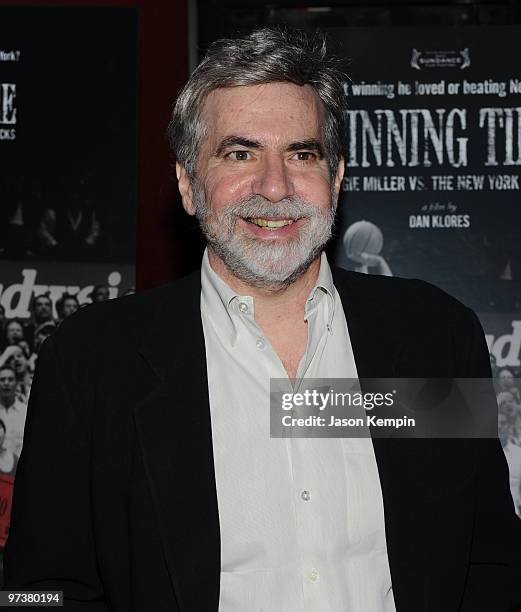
column 276, row 93
column 284, row 110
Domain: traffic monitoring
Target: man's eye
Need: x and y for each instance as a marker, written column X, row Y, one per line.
column 239, row 155
column 305, row 156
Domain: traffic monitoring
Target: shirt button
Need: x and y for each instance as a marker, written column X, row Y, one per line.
column 313, row 575
column 260, row 343
column 243, row 307
column 305, row 495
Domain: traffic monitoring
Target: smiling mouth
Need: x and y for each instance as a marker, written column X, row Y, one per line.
column 270, row 224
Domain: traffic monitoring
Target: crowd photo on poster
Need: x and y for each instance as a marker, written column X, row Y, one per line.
column 20, row 344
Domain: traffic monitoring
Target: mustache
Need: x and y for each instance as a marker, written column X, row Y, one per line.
column 292, row 207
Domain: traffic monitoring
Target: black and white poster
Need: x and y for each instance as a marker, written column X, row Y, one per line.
column 68, row 134
column 433, row 178
column 68, row 187
column 433, row 157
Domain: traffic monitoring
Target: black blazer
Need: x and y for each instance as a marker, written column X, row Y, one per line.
column 115, row 499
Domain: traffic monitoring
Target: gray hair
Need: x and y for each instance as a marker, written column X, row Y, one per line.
column 267, row 55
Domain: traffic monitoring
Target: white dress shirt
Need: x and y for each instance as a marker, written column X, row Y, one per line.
column 301, row 519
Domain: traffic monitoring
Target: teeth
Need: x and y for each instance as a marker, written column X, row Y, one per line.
column 271, row 224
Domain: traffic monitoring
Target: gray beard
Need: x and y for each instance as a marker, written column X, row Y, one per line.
column 255, row 261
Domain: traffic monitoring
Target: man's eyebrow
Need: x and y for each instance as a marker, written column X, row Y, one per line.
column 232, row 141
column 310, row 144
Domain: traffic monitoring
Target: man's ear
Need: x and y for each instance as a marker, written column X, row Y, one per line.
column 185, row 188
column 339, row 175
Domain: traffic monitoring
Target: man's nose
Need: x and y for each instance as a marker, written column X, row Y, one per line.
column 273, row 180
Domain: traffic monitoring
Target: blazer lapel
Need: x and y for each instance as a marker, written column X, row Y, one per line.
column 174, row 430
column 377, row 337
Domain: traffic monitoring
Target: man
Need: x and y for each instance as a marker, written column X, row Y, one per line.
column 14, row 332
column 41, row 310
column 513, row 456
column 24, row 377
column 99, row 293
column 12, row 411
column 66, row 306
column 166, row 491
column 42, row 333
column 506, row 382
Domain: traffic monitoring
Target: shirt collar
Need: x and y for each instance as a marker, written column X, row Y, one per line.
column 323, row 287
column 222, row 303
column 216, row 297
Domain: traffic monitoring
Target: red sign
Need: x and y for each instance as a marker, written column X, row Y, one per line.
column 6, row 499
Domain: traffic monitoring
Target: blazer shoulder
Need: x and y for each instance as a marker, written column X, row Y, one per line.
column 125, row 319
column 425, row 314
column 409, row 295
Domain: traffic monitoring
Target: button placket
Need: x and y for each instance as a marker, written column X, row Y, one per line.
column 313, row 575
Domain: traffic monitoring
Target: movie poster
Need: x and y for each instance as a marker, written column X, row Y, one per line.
column 68, row 186
column 433, row 178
